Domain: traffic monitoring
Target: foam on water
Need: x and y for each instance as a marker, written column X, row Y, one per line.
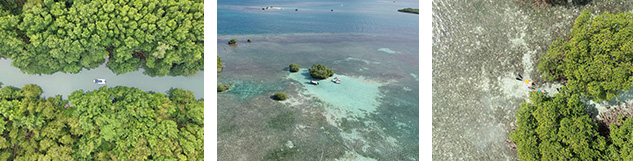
column 387, row 50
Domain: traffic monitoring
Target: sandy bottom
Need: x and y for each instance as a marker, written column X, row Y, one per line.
column 371, row 115
column 353, row 97
column 353, row 100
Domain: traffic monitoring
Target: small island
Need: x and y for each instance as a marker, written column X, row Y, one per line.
column 232, row 42
column 280, row 96
column 319, row 71
column 294, row 67
column 410, row 10
column 222, row 88
column 219, row 64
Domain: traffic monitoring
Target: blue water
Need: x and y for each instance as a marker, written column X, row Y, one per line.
column 373, row 17
column 371, row 115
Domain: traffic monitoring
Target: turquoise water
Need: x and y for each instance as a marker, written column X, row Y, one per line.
column 372, row 48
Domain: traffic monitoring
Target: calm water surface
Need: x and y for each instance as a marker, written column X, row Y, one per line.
column 64, row 84
column 372, row 48
column 477, row 47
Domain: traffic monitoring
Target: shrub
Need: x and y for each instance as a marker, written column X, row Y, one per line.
column 222, row 88
column 591, row 60
column 232, row 42
column 219, row 64
column 31, row 91
column 280, row 96
column 249, row 40
column 294, row 67
column 319, row 71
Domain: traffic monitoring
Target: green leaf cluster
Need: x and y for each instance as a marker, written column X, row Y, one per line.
column 219, row 64
column 597, row 59
column 319, row 71
column 222, row 88
column 596, row 63
column 163, row 37
column 557, row 128
column 117, row 123
column 280, row 96
column 232, row 42
column 294, row 67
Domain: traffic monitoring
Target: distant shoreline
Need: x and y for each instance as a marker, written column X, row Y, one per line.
column 410, row 10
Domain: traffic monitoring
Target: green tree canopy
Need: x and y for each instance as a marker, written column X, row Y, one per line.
column 117, row 123
column 594, row 62
column 319, row 71
column 597, row 58
column 219, row 64
column 164, row 37
column 556, row 128
column 294, row 67
column 280, row 96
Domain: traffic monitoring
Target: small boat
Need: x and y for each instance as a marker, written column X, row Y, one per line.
column 336, row 80
column 100, row 81
column 314, row 82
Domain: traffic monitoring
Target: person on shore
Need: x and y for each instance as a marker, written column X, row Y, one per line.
column 530, row 84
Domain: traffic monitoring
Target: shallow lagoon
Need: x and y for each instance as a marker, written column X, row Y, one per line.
column 371, row 115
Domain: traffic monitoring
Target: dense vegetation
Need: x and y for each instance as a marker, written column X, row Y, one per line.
column 319, row 71
column 117, row 123
column 597, row 58
column 294, row 67
column 43, row 37
column 232, row 42
column 219, row 64
column 594, row 62
column 557, row 128
column 410, row 10
column 222, row 88
column 280, row 96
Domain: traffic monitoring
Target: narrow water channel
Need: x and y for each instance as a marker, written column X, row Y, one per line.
column 64, row 84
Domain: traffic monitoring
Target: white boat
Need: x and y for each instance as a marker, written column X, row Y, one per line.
column 336, row 80
column 100, row 81
column 314, row 82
